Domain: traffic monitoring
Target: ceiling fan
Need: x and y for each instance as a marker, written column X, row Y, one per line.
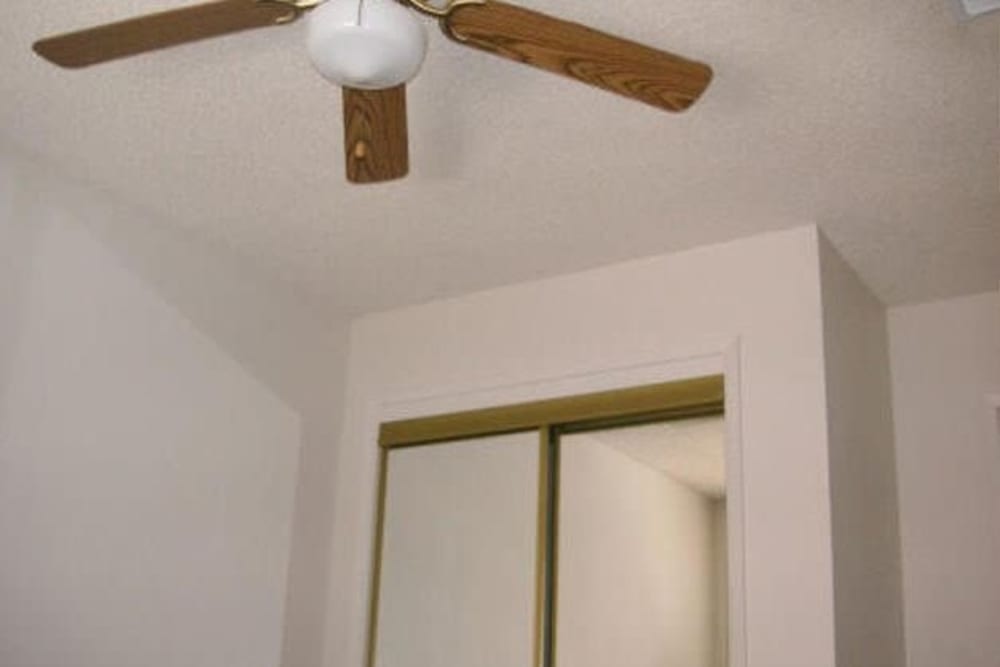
column 372, row 48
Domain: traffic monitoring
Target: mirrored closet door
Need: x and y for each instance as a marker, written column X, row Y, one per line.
column 459, row 549
column 642, row 545
column 575, row 532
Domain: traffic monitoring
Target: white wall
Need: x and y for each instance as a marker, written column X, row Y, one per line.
column 637, row 563
column 866, row 547
column 945, row 361
column 156, row 394
column 526, row 341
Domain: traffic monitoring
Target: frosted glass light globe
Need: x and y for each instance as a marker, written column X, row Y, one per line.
column 366, row 44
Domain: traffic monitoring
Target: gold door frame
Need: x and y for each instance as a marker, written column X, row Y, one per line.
column 658, row 402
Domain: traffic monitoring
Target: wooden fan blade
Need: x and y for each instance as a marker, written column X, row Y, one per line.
column 375, row 138
column 158, row 31
column 620, row 66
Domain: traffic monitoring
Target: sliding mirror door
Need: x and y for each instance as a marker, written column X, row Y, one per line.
column 642, row 546
column 457, row 579
column 583, row 531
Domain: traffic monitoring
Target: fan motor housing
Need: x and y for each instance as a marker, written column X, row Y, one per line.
column 366, row 44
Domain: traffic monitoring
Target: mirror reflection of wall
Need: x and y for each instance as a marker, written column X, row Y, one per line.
column 642, row 546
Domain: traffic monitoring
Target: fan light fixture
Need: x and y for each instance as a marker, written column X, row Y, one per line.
column 372, row 48
column 366, row 44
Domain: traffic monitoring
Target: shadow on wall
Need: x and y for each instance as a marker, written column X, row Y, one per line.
column 277, row 335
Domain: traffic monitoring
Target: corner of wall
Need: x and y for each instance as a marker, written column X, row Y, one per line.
column 272, row 331
column 864, row 499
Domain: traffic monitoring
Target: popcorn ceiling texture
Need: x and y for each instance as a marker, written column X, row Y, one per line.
column 877, row 120
column 977, row 7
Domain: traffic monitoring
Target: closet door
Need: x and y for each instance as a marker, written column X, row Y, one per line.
column 642, row 544
column 457, row 574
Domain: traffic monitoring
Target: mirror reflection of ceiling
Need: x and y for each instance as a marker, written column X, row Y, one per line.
column 691, row 451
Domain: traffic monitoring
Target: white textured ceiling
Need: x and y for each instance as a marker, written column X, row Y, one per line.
column 691, row 451
column 878, row 120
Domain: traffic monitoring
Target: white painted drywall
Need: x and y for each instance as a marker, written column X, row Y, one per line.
column 720, row 578
column 146, row 501
column 763, row 292
column 156, row 395
column 459, row 554
column 637, row 562
column 867, row 578
column 945, row 362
